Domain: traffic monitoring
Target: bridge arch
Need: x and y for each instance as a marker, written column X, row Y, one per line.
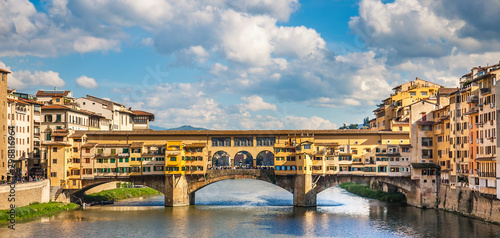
column 243, row 158
column 265, row 158
column 218, row 175
column 220, row 159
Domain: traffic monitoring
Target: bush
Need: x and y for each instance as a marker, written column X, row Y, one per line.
column 365, row 191
column 120, row 193
column 36, row 210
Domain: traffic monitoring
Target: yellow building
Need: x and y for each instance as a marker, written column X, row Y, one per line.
column 3, row 125
column 394, row 112
column 98, row 154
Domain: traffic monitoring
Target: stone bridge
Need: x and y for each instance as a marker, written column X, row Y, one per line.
column 180, row 190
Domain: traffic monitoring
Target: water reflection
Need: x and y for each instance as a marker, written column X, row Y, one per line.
column 255, row 214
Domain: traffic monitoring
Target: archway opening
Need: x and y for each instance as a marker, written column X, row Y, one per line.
column 265, row 158
column 236, row 192
column 221, row 159
column 243, row 159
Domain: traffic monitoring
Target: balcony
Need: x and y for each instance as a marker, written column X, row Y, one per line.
column 472, row 99
column 485, row 90
column 487, row 174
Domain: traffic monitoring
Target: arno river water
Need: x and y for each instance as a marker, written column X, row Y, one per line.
column 249, row 208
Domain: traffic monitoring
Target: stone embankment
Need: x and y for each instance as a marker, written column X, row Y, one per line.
column 469, row 203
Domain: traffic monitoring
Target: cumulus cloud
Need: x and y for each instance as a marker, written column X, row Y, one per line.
column 256, row 103
column 89, row 44
column 86, row 82
column 24, row 79
column 411, row 28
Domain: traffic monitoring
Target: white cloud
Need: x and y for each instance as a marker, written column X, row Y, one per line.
column 308, row 123
column 412, row 28
column 86, row 82
column 89, row 44
column 147, row 41
column 24, row 79
column 256, row 103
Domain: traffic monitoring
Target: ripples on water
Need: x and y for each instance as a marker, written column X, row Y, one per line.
column 249, row 208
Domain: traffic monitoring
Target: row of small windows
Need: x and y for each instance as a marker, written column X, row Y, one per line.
column 243, row 141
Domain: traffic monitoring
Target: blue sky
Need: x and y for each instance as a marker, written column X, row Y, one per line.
column 244, row 64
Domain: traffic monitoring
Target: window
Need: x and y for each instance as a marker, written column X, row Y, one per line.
column 54, row 161
column 265, row 141
column 112, row 161
column 243, row 141
column 173, row 158
column 126, row 160
column 221, row 141
column 100, row 151
column 424, row 93
column 413, row 93
column 54, row 149
column 53, row 174
column 307, row 146
column 113, row 151
column 426, row 127
column 427, row 154
column 75, row 149
column 426, row 141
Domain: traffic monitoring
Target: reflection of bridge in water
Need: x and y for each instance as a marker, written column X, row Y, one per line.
column 180, row 190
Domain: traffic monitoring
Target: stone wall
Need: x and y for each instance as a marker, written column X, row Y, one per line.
column 468, row 202
column 106, row 186
column 25, row 193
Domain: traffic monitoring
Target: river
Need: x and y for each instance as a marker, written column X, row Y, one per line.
column 250, row 208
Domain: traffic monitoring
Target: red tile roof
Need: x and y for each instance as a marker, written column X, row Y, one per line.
column 18, row 101
column 55, row 107
column 43, row 93
column 5, row 71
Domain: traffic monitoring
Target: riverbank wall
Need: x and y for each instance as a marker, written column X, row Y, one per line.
column 23, row 194
column 468, row 202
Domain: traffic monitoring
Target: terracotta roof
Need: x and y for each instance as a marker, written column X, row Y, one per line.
column 142, row 113
column 326, row 144
column 56, row 143
column 485, row 158
column 56, row 107
column 89, row 145
column 18, row 101
column 77, row 134
column 425, row 122
column 61, row 107
column 60, row 132
column 137, row 144
column 113, row 145
column 31, row 101
column 5, row 71
column 54, row 93
column 447, row 91
column 196, row 145
column 245, row 132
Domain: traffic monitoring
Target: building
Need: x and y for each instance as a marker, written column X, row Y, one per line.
column 116, row 116
column 394, row 112
column 77, row 155
column 3, row 125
